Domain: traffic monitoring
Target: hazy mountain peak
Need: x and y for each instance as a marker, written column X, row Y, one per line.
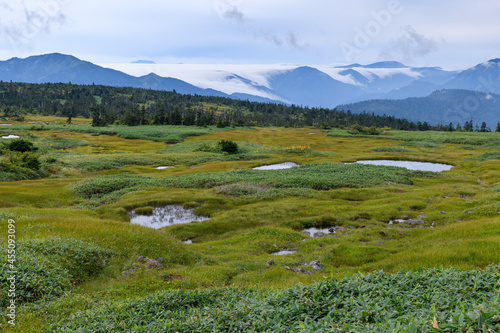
column 381, row 64
column 147, row 62
column 386, row 64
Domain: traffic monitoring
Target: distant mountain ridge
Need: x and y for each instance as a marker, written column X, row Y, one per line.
column 352, row 86
column 60, row 68
column 441, row 107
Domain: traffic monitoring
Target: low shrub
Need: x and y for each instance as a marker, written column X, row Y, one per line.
column 47, row 268
column 427, row 300
column 227, row 146
column 21, row 146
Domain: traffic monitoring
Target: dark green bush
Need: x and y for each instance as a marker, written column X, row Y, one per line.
column 228, row 146
column 30, row 161
column 21, row 146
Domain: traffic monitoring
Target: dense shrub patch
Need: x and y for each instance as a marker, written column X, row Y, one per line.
column 428, row 300
column 316, row 176
column 47, row 268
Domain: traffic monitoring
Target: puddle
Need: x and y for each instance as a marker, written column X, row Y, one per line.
column 312, row 133
column 5, row 124
column 313, row 231
column 166, row 216
column 280, row 166
column 397, row 220
column 164, row 167
column 284, row 252
column 188, row 241
column 10, row 137
column 410, row 165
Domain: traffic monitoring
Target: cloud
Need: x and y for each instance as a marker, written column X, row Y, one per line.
column 409, row 45
column 21, row 21
column 229, row 10
column 293, row 41
column 290, row 40
column 234, row 14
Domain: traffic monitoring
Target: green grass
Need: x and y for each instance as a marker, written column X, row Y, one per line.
column 488, row 156
column 463, row 138
column 391, row 150
column 252, row 215
column 47, row 143
column 166, row 133
column 89, row 162
column 435, row 300
column 47, row 268
column 319, row 176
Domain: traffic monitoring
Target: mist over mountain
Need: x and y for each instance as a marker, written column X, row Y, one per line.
column 392, row 88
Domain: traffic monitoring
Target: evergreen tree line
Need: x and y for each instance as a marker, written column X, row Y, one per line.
column 133, row 106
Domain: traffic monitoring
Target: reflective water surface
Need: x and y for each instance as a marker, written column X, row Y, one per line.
column 284, row 252
column 166, row 216
column 313, row 231
column 280, row 166
column 410, row 165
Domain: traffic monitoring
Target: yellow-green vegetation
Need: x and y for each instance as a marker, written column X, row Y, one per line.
column 409, row 254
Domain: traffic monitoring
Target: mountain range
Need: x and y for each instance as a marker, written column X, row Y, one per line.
column 417, row 93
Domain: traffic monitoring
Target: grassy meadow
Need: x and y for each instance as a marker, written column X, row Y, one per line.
column 74, row 239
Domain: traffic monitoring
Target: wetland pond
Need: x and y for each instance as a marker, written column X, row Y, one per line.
column 10, row 137
column 166, row 216
column 284, row 252
column 410, row 165
column 280, row 166
column 313, row 232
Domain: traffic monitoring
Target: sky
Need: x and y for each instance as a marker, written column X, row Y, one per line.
column 452, row 34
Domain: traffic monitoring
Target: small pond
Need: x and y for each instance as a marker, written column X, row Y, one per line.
column 410, row 165
column 166, row 216
column 284, row 252
column 397, row 220
column 313, row 231
column 5, row 124
column 10, row 137
column 164, row 167
column 280, row 166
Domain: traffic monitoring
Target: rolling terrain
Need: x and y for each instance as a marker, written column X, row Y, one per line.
column 411, row 251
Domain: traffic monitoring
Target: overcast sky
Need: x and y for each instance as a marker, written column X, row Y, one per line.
column 448, row 33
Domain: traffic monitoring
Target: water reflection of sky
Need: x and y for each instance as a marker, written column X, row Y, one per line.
column 286, row 165
column 166, row 216
column 284, row 252
column 314, row 231
column 410, row 165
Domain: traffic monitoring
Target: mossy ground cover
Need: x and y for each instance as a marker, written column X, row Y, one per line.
column 252, row 215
